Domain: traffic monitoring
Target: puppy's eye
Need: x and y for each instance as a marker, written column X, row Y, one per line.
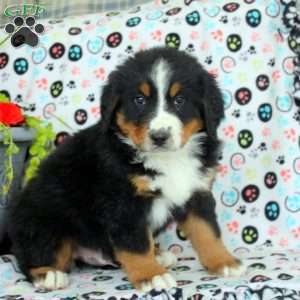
column 140, row 100
column 179, row 101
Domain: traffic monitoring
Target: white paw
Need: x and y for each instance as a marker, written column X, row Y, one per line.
column 166, row 259
column 54, row 280
column 159, row 282
column 234, row 271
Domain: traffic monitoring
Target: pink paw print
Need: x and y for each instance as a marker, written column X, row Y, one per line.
column 276, row 75
column 222, row 170
column 100, row 73
column 95, row 111
column 276, row 145
column 233, row 227
column 296, row 233
column 156, row 35
column 229, row 131
column 285, row 174
column 266, row 132
column 218, row 35
column 194, row 35
column 85, row 83
column 291, row 134
column 284, row 242
column 22, row 84
column 42, row 83
column 273, row 231
column 133, row 35
column 75, row 71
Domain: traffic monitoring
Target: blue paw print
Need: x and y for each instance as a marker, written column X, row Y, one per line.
column 253, row 17
column 132, row 22
column 212, row 11
column 21, row 66
column 265, row 112
column 272, row 210
column 95, row 45
column 230, row 197
column 193, row 18
column 292, row 203
column 154, row 15
column 273, row 9
column 284, row 103
column 38, row 55
column 75, row 52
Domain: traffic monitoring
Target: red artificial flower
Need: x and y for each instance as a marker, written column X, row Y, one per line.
column 11, row 114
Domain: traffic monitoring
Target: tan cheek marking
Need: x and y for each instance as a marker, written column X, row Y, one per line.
column 210, row 249
column 175, row 88
column 145, row 89
column 63, row 260
column 136, row 133
column 140, row 267
column 190, row 128
column 141, row 185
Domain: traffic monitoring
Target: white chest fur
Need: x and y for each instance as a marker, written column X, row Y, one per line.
column 180, row 177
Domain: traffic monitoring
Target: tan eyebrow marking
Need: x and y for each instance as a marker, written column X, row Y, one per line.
column 145, row 88
column 175, row 88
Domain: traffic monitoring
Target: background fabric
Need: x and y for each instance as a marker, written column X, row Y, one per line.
column 251, row 53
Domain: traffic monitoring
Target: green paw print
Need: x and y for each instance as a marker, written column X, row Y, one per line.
column 173, row 40
column 245, row 138
column 56, row 88
column 250, row 234
column 234, row 42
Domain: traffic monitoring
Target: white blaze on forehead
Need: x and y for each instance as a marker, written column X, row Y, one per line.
column 161, row 76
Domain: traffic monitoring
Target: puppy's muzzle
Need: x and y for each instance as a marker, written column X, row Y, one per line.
column 159, row 137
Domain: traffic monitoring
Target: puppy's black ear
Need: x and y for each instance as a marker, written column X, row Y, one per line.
column 212, row 104
column 109, row 101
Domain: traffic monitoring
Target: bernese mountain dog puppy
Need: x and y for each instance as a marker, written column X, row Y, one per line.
column 111, row 187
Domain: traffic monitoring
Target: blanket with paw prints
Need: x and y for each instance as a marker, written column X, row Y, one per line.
column 253, row 55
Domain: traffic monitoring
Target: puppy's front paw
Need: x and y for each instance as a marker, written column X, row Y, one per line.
column 229, row 268
column 159, row 282
column 166, row 259
column 52, row 280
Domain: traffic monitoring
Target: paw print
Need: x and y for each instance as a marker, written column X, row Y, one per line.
column 42, row 83
column 80, row 116
column 253, row 17
column 24, row 32
column 250, row 234
column 218, row 35
column 297, row 116
column 252, row 50
column 114, row 39
column 49, row 67
column 254, row 212
column 75, row 53
column 21, row 66
column 193, row 18
column 233, row 227
column 173, row 40
column 291, row 134
column 106, row 55
column 272, row 210
column 268, row 243
column 56, row 88
column 229, row 131
column 253, row 153
column 90, row 98
column 3, row 60
column 236, row 21
column 250, row 193
column 190, row 48
column 262, row 146
column 270, row 180
column 286, row 174
column 208, row 60
column 280, row 159
column 57, row 50
column 250, row 116
column 71, row 84
column 242, row 209
column 100, row 73
column 236, row 113
column 19, row 98
column 271, row 62
column 243, row 96
column 245, row 138
column 129, row 50
column 234, row 42
column 156, row 35
column 222, row 170
column 224, row 19
column 262, row 82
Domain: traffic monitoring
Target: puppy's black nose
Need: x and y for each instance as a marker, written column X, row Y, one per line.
column 159, row 137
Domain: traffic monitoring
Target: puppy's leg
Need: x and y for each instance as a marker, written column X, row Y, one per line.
column 166, row 259
column 54, row 277
column 201, row 228
column 143, row 269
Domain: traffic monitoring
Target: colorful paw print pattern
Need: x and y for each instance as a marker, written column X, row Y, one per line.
column 241, row 43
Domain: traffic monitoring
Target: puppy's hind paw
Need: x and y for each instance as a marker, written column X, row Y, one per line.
column 159, row 282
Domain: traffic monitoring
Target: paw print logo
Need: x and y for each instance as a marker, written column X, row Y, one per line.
column 218, row 35
column 71, row 84
column 224, row 19
column 21, row 66
column 242, row 209
column 90, row 98
column 193, row 18
column 234, row 42
column 272, row 210
column 265, row 112
column 253, row 17
column 24, row 31
column 56, row 89
column 129, row 49
column 233, row 227
column 75, row 53
column 229, row 131
column 270, row 180
column 208, row 60
column 245, row 138
column 114, row 39
column 236, row 113
column 57, row 50
column 132, row 22
column 231, row 7
column 291, row 134
column 250, row 234
column 250, row 193
column 280, row 159
column 106, row 55
column 286, row 174
column 172, row 40
column 190, row 48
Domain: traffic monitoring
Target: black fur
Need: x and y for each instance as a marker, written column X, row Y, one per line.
column 82, row 191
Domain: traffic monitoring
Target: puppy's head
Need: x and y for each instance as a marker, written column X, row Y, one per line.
column 159, row 99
